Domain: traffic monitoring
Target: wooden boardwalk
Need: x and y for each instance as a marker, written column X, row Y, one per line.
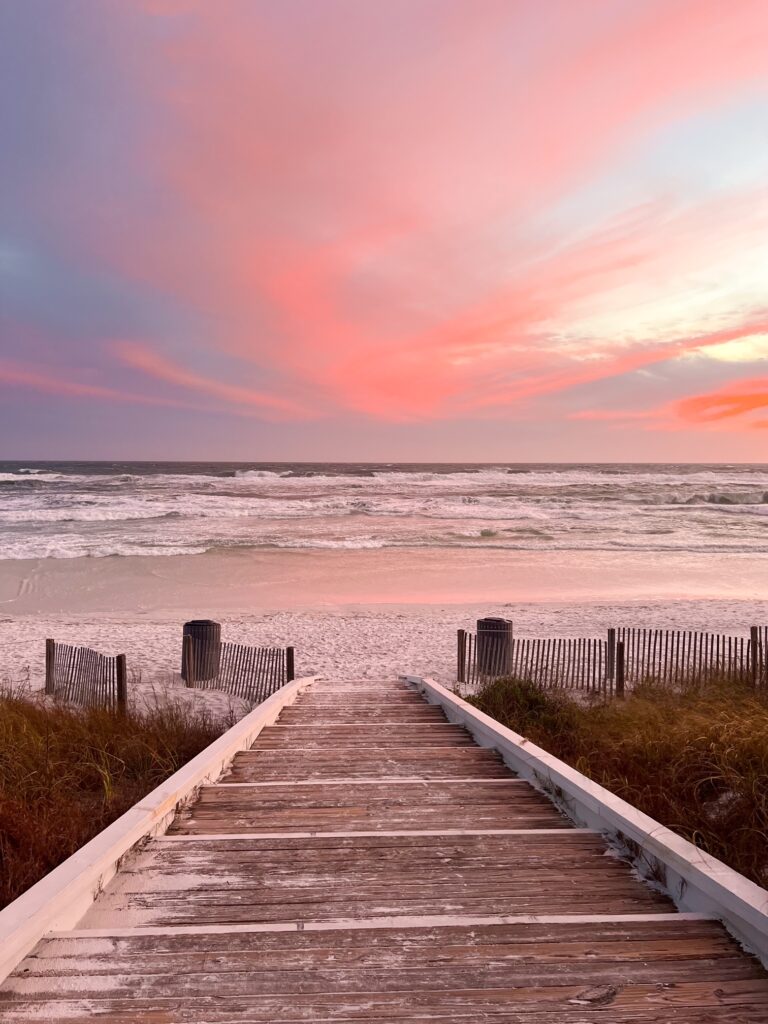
column 365, row 861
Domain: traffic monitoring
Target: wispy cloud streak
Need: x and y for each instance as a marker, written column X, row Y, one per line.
column 738, row 399
column 141, row 357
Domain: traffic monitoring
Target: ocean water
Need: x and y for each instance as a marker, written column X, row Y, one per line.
column 68, row 510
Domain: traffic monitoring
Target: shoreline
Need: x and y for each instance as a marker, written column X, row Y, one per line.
column 236, row 580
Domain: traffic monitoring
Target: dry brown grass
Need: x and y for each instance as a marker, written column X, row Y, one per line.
column 695, row 760
column 66, row 773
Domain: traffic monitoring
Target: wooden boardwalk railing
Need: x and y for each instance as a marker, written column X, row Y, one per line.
column 366, row 861
column 252, row 673
column 83, row 676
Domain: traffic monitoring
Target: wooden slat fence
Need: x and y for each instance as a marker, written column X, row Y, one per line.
column 83, row 676
column 253, row 673
column 574, row 663
column 676, row 656
column 671, row 657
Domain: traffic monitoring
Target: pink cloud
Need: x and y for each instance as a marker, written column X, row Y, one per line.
column 639, row 358
column 141, row 357
column 54, row 382
column 735, row 401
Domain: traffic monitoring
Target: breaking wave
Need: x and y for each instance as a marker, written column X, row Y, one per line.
column 137, row 509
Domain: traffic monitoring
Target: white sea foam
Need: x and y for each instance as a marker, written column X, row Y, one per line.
column 257, row 474
column 29, row 477
column 130, row 509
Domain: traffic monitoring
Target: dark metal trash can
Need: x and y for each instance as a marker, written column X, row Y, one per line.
column 206, row 650
column 494, row 646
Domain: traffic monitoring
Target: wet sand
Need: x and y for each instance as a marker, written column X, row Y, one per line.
column 224, row 582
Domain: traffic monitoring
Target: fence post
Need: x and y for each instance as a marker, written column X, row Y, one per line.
column 610, row 656
column 289, row 660
column 188, row 659
column 620, row 668
column 754, row 654
column 122, row 682
column 50, row 654
column 461, row 656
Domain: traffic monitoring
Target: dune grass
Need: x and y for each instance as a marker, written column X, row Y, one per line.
column 67, row 773
column 696, row 759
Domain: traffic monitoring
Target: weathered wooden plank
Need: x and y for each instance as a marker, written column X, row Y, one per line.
column 433, row 977
column 313, row 742
column 320, row 879
column 315, row 882
column 401, row 792
column 554, row 847
column 374, row 754
column 664, row 931
column 323, row 820
column 384, row 716
column 387, row 806
column 121, row 956
column 425, row 729
column 309, row 769
column 404, row 780
column 219, row 837
column 210, row 909
column 529, row 1003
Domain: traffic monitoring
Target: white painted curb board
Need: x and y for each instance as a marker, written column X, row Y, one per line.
column 694, row 880
column 59, row 900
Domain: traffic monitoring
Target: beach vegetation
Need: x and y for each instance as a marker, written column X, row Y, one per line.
column 67, row 772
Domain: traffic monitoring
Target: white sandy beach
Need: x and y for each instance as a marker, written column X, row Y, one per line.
column 359, row 614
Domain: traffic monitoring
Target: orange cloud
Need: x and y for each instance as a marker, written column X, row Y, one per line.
column 738, row 399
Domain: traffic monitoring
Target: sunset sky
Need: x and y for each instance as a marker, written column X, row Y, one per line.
column 409, row 229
